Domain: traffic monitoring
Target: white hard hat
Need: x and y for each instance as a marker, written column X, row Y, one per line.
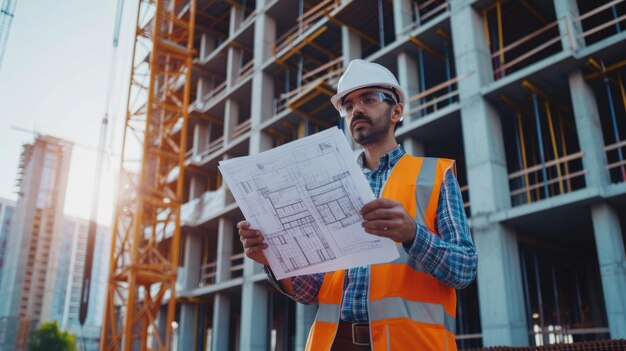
column 362, row 74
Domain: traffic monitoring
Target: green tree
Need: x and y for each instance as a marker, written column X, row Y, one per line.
column 50, row 338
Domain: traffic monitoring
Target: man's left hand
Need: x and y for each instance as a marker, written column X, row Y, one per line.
column 388, row 218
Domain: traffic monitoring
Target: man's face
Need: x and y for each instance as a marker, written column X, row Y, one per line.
column 369, row 118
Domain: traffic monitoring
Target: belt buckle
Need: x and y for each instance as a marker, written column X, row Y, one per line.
column 354, row 341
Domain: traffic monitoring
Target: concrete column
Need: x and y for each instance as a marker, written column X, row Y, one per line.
column 203, row 88
column 408, row 75
column 264, row 36
column 191, row 261
column 233, row 64
column 200, row 135
column 186, row 326
column 189, row 279
column 500, row 290
column 197, row 186
column 207, row 45
column 262, row 108
column 471, row 52
column 231, row 119
column 401, row 15
column 612, row 261
column 485, row 155
column 254, row 334
column 499, row 279
column 236, row 15
column 413, row 147
column 225, row 234
column 351, row 45
column 305, row 315
column 221, row 322
column 262, row 101
column 589, row 130
column 566, row 11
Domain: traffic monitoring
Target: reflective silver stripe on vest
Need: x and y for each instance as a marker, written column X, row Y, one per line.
column 449, row 323
column 328, row 313
column 424, row 187
column 423, row 312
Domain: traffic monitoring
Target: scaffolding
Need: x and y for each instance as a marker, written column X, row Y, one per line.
column 546, row 160
column 514, row 47
column 145, row 244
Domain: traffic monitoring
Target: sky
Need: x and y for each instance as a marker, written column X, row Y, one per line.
column 58, row 68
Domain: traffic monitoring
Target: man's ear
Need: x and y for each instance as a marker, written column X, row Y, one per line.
column 397, row 111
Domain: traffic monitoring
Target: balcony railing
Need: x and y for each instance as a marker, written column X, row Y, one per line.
column 199, row 210
column 425, row 12
column 236, row 265
column 305, row 21
column 545, row 180
column 208, row 271
column 247, row 19
column 617, row 162
column 245, row 71
column 212, row 95
column 328, row 73
column 241, row 128
column 436, row 97
column 601, row 10
column 503, row 64
column 214, row 146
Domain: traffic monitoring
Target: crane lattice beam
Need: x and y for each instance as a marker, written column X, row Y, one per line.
column 146, row 233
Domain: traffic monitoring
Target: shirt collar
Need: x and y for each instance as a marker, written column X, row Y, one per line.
column 388, row 160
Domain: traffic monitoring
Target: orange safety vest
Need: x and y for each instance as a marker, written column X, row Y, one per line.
column 408, row 308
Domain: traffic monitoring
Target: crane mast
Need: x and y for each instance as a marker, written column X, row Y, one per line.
column 146, row 233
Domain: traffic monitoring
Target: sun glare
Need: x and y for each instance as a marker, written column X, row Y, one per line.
column 79, row 193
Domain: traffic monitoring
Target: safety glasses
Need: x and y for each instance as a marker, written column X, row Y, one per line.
column 369, row 99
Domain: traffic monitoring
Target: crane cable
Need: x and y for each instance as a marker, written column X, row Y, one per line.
column 91, row 236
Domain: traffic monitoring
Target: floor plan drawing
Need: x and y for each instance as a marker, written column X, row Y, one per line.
column 304, row 198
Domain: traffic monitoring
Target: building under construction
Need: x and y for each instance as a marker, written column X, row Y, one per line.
column 528, row 96
column 31, row 264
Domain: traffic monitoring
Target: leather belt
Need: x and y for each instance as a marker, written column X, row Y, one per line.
column 358, row 332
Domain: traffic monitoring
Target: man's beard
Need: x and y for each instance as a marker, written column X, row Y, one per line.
column 376, row 132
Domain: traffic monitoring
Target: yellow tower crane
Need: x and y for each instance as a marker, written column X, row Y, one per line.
column 146, row 229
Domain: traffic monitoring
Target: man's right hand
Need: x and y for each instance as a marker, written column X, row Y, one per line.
column 253, row 242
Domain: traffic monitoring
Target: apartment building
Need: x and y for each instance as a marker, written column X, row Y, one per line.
column 30, row 261
column 6, row 213
column 72, row 258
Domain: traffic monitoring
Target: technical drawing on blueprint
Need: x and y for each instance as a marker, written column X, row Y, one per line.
column 305, row 198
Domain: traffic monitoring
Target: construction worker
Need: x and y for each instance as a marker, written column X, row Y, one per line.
column 410, row 303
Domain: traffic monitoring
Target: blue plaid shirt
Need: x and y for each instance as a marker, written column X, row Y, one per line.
column 449, row 257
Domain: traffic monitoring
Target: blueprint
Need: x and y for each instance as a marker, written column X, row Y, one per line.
column 305, row 198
